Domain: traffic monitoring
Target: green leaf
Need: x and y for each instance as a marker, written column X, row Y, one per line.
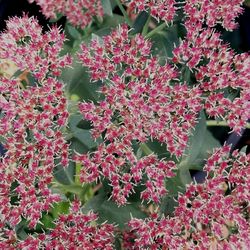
column 185, row 175
column 194, row 145
column 78, row 82
column 176, row 184
column 207, row 147
column 64, row 175
column 60, row 208
column 20, row 230
column 168, row 205
column 72, row 31
column 97, row 38
column 74, row 120
column 118, row 245
column 196, row 140
column 163, row 43
column 47, row 222
column 83, row 191
column 82, row 135
column 159, row 149
column 110, row 212
column 109, row 23
column 200, row 145
column 244, row 149
column 76, row 145
column 139, row 22
column 73, row 188
column 231, row 93
column 83, row 124
column 107, row 7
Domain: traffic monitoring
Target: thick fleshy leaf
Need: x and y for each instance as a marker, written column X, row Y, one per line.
column 196, row 140
column 64, row 175
column 82, row 135
column 78, row 82
column 164, row 41
column 72, row 31
column 175, row 184
column 168, row 205
column 110, row 212
column 139, row 22
column 107, row 7
column 201, row 143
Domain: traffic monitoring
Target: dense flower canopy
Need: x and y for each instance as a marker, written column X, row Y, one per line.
column 212, row 12
column 86, row 162
column 79, row 13
column 32, row 115
column 212, row 214
column 159, row 9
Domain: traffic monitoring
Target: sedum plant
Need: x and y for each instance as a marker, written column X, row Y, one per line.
column 103, row 122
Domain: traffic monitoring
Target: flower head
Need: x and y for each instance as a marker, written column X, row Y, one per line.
column 79, row 13
column 24, row 43
column 214, row 213
column 218, row 69
column 213, row 12
column 142, row 101
column 75, row 230
column 33, row 113
column 159, row 9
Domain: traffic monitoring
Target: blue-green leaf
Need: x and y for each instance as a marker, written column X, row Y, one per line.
column 107, row 7
column 110, row 212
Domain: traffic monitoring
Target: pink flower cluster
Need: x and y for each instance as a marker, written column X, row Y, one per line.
column 79, row 13
column 210, row 12
column 159, row 9
column 142, row 100
column 73, row 231
column 213, row 12
column 33, row 114
column 217, row 67
column 213, row 214
column 31, row 50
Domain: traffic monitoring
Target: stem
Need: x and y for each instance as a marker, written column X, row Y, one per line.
column 129, row 22
column 157, row 29
column 146, row 149
column 78, row 167
column 69, row 136
column 185, row 175
column 145, row 27
column 222, row 123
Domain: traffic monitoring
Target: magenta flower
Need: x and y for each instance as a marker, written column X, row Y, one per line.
column 144, row 124
column 159, row 9
column 213, row 12
column 31, row 50
column 79, row 13
column 73, row 231
column 217, row 68
column 196, row 12
column 214, row 213
column 32, row 117
column 141, row 103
